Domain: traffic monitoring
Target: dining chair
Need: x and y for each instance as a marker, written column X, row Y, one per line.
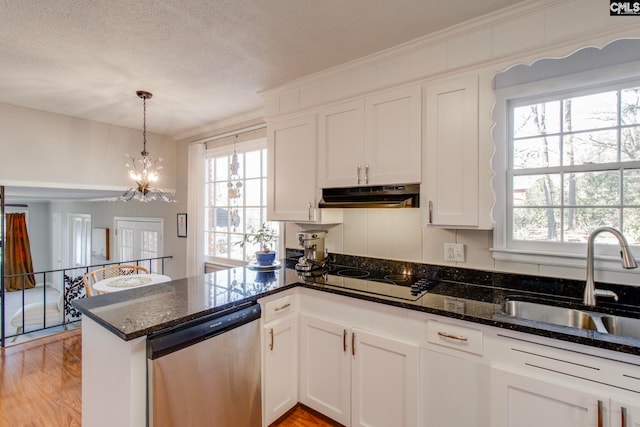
column 94, row 276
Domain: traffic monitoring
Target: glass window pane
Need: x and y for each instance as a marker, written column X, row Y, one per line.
column 631, row 227
column 630, row 144
column 221, row 245
column 536, row 190
column 253, row 219
column 222, row 194
column 536, row 152
column 591, row 111
column 630, row 106
column 588, row 219
column 632, row 187
column 209, row 169
column 591, row 147
column 537, row 224
column 222, row 168
column 253, row 192
column 592, row 188
column 536, row 119
column 253, row 162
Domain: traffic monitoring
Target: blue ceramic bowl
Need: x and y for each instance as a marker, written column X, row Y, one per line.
column 265, row 258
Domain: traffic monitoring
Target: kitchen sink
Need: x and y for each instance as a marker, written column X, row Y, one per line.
column 623, row 326
column 605, row 323
column 549, row 314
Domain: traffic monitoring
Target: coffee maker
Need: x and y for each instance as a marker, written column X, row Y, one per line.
column 314, row 252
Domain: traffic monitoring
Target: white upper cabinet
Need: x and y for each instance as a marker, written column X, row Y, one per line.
column 291, row 164
column 374, row 140
column 450, row 179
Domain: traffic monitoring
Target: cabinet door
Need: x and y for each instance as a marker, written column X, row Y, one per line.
column 280, row 368
column 455, row 391
column 325, row 375
column 393, row 137
column 450, row 179
column 341, row 148
column 291, row 163
column 625, row 413
column 384, row 382
column 522, row 401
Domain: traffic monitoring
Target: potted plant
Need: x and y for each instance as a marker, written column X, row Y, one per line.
column 263, row 237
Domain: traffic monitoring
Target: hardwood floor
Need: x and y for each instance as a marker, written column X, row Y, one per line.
column 41, row 383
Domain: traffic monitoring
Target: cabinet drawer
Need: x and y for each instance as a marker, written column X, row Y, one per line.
column 454, row 336
column 279, row 307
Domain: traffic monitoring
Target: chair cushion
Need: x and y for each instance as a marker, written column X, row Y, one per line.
column 35, row 313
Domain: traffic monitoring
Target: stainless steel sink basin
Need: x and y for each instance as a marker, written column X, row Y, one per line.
column 549, row 314
column 563, row 316
column 623, row 326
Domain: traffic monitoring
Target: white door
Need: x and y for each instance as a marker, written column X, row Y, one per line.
column 625, row 412
column 384, row 375
column 522, row 401
column 139, row 238
column 80, row 239
column 280, row 368
column 325, row 373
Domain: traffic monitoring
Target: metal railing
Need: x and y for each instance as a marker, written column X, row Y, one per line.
column 58, row 312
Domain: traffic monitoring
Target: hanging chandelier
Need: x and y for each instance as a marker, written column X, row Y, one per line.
column 144, row 171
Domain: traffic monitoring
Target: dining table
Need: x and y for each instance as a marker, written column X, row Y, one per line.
column 122, row 283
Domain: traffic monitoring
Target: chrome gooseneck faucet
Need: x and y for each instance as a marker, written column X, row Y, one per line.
column 628, row 261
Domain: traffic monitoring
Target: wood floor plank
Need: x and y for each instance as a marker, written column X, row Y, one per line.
column 41, row 385
column 40, row 382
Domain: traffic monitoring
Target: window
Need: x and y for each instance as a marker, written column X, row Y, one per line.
column 235, row 198
column 572, row 165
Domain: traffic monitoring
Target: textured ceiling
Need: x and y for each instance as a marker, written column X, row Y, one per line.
column 204, row 61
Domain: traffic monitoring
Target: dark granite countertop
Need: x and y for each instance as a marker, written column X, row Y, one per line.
column 139, row 312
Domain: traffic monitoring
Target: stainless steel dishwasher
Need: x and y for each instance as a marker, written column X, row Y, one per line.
column 207, row 372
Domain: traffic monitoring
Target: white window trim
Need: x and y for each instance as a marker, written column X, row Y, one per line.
column 570, row 255
column 241, row 147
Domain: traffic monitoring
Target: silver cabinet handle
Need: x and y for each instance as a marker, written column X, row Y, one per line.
column 353, row 343
column 271, row 334
column 310, row 207
column 344, row 340
column 287, row 305
column 358, row 174
column 453, row 337
column 600, row 411
column 623, row 416
column 430, row 212
column 366, row 174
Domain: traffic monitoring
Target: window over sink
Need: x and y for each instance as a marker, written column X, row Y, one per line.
column 567, row 156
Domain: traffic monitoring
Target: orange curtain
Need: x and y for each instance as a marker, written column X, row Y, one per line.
column 17, row 255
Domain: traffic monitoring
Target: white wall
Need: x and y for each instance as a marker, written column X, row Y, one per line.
column 41, row 149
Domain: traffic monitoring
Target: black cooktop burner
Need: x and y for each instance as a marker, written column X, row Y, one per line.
column 402, row 286
column 356, row 273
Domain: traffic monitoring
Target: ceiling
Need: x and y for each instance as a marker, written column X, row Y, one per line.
column 204, row 61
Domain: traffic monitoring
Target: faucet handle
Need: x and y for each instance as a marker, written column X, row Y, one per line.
column 606, row 293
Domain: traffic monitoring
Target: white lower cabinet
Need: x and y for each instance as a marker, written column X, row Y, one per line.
column 625, row 412
column 356, row 377
column 280, row 341
column 455, row 391
column 522, row 401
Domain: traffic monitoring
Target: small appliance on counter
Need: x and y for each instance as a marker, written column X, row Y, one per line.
column 312, row 242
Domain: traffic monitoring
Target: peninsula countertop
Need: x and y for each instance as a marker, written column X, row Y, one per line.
column 142, row 311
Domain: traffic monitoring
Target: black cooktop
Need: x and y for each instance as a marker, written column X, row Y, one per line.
column 402, row 286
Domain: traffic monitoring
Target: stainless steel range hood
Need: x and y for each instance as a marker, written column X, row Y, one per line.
column 381, row 196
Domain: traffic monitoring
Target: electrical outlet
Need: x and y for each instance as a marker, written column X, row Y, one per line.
column 454, row 252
